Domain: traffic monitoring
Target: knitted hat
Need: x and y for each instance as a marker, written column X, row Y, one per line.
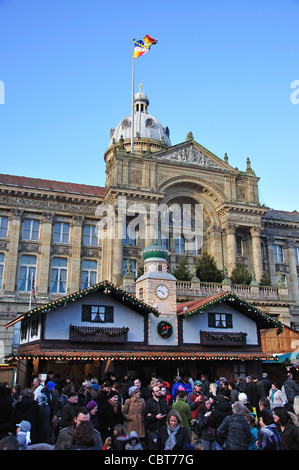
column 112, row 393
column 51, row 385
column 91, row 405
column 132, row 390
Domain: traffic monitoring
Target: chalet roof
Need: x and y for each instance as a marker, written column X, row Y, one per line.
column 105, row 287
column 50, row 185
column 197, row 307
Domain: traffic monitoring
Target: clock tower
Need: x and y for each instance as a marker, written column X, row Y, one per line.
column 157, row 287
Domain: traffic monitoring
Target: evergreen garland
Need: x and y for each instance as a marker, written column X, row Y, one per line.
column 165, row 329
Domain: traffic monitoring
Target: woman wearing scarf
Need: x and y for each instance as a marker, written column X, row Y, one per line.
column 110, row 414
column 276, row 397
column 172, row 436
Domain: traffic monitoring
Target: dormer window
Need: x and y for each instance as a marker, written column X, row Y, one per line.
column 220, row 320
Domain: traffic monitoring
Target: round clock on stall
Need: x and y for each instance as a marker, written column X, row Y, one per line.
column 162, row 291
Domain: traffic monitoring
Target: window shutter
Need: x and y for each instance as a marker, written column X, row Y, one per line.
column 85, row 312
column 229, row 320
column 109, row 314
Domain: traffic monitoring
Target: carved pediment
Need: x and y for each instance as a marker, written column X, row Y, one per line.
column 192, row 155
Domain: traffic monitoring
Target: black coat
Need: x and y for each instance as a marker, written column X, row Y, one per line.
column 182, row 438
column 27, row 410
column 152, row 409
column 108, row 419
column 221, row 410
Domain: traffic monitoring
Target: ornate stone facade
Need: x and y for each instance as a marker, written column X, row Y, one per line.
column 49, row 228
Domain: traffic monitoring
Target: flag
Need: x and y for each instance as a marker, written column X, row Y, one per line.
column 33, row 290
column 143, row 45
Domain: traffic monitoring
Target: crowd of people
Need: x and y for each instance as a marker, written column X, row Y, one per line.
column 125, row 414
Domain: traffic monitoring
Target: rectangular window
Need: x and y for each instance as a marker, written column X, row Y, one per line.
column 297, row 254
column 2, row 258
column 24, row 330
column 278, row 253
column 61, row 233
column 27, row 271
column 98, row 313
column 220, row 320
column 180, row 245
column 3, row 227
column 239, row 246
column 58, row 276
column 89, row 235
column 89, row 273
column 30, row 230
column 34, row 327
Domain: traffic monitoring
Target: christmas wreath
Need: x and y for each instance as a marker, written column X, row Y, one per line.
column 164, row 329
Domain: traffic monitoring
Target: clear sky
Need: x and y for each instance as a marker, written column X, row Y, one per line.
column 221, row 69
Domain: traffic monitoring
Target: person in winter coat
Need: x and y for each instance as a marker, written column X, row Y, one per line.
column 155, row 413
column 195, row 398
column 133, row 442
column 43, row 420
column 184, row 409
column 110, row 414
column 288, row 430
column 133, row 413
column 27, row 409
column 276, row 397
column 64, row 440
column 251, row 392
column 69, row 410
column 291, row 388
column 23, row 434
column 269, row 436
column 172, row 436
column 175, row 388
column 92, row 407
column 6, row 404
column 234, row 432
column 206, row 433
column 120, row 437
column 221, row 409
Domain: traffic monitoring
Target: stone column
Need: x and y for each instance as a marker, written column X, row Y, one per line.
column 75, row 271
column 216, row 245
column 117, row 249
column 42, row 281
column 10, row 272
column 271, row 259
column 257, row 252
column 293, row 279
column 231, row 247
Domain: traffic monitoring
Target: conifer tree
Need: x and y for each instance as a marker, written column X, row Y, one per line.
column 206, row 269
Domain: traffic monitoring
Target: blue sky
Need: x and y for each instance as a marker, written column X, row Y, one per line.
column 222, row 70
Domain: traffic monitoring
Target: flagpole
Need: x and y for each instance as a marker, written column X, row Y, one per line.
column 132, row 113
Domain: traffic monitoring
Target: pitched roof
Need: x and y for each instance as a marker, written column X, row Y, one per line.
column 200, row 306
column 105, row 287
column 50, row 185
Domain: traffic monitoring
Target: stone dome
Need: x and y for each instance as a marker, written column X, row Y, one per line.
column 146, row 126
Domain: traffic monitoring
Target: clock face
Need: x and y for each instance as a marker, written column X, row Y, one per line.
column 162, row 291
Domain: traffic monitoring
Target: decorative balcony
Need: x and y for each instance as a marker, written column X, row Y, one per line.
column 212, row 338
column 94, row 334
